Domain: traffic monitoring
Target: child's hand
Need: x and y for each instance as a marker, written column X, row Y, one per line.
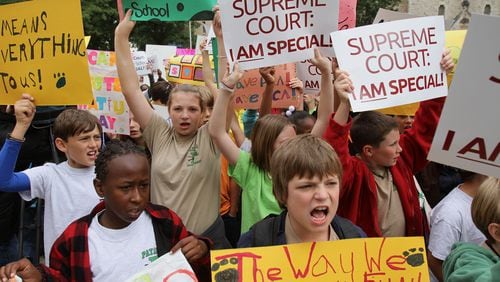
column 447, row 61
column 296, row 83
column 23, row 268
column 126, row 26
column 192, row 248
column 217, row 24
column 203, row 45
column 322, row 63
column 267, row 74
column 24, row 109
column 230, row 79
column 343, row 85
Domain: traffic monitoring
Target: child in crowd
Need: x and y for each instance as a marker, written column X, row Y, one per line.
column 379, row 192
column 185, row 173
column 306, row 174
column 451, row 221
column 470, row 262
column 251, row 170
column 123, row 233
column 66, row 187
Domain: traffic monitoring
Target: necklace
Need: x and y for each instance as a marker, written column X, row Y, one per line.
column 381, row 176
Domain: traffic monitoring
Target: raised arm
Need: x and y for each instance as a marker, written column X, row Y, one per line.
column 208, row 75
column 266, row 104
column 343, row 86
column 325, row 107
column 216, row 126
column 9, row 180
column 126, row 73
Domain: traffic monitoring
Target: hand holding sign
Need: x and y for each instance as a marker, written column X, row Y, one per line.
column 343, row 85
column 447, row 61
column 192, row 248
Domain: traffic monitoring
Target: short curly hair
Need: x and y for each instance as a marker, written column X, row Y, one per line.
column 114, row 148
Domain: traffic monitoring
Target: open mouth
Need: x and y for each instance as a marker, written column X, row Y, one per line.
column 92, row 154
column 319, row 215
column 185, row 124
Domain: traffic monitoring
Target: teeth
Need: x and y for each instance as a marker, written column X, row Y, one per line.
column 321, row 208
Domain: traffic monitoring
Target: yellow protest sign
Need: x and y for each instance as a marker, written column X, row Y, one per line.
column 365, row 259
column 403, row 110
column 42, row 52
column 187, row 69
column 454, row 41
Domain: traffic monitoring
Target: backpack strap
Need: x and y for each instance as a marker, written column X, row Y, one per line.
column 265, row 232
column 345, row 229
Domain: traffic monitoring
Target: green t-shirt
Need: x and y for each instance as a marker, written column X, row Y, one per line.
column 257, row 200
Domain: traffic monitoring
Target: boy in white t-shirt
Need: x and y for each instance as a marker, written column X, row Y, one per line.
column 122, row 234
column 66, row 187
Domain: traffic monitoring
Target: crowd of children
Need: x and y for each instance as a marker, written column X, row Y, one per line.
column 316, row 175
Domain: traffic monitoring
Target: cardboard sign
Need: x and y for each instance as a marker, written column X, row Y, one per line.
column 169, row 267
column 170, row 10
column 162, row 53
column 268, row 33
column 467, row 136
column 249, row 89
column 367, row 259
column 188, row 69
column 393, row 63
column 108, row 103
column 42, row 52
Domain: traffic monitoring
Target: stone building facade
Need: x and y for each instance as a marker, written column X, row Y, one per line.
column 456, row 12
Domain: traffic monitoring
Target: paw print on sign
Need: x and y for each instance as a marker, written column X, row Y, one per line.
column 414, row 257
column 61, row 79
column 224, row 270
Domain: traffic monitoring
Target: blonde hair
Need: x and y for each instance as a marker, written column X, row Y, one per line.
column 303, row 156
column 486, row 206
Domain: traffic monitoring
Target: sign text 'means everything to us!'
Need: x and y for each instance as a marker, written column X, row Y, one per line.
column 42, row 52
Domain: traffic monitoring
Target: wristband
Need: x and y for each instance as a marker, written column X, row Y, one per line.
column 222, row 85
column 9, row 136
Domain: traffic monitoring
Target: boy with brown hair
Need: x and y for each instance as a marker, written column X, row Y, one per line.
column 66, row 187
column 306, row 174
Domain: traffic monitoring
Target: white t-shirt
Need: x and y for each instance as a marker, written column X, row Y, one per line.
column 118, row 254
column 451, row 222
column 68, row 192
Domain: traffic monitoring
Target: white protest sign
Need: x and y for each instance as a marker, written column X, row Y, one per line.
column 141, row 62
column 162, row 53
column 310, row 76
column 467, row 136
column 172, row 267
column 267, row 33
column 393, row 63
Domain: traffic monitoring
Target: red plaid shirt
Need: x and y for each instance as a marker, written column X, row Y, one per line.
column 69, row 257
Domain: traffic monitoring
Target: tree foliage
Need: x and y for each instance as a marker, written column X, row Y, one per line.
column 100, row 18
column 366, row 10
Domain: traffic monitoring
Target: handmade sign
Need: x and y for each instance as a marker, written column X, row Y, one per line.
column 162, row 53
column 170, row 10
column 108, row 103
column 249, row 89
column 169, row 267
column 466, row 136
column 366, row 259
column 393, row 63
column 268, row 33
column 42, row 52
column 188, row 69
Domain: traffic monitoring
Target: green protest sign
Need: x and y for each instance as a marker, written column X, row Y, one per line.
column 170, row 10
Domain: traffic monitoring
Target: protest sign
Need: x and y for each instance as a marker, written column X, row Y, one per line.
column 169, row 10
column 467, row 136
column 141, row 62
column 162, row 53
column 249, row 89
column 384, row 15
column 108, row 103
column 268, row 33
column 169, row 267
column 364, row 259
column 393, row 63
column 103, row 63
column 310, row 76
column 188, row 69
column 42, row 52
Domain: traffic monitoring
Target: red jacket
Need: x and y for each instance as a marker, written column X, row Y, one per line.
column 358, row 194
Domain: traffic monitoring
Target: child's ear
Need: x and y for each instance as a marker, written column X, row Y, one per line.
column 60, row 144
column 367, row 150
column 98, row 188
column 494, row 230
